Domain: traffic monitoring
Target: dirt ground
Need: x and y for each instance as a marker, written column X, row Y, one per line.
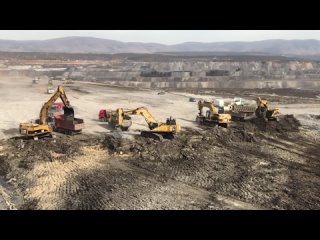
column 250, row 165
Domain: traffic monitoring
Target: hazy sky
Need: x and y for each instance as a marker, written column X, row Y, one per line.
column 164, row 36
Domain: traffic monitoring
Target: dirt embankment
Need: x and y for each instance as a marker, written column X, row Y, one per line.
column 249, row 165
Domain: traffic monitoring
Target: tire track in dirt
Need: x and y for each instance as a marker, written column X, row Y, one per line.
column 49, row 184
column 248, row 171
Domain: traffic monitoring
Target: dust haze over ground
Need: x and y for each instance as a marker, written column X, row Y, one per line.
column 250, row 165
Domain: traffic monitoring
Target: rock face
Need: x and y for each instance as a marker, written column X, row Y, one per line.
column 159, row 71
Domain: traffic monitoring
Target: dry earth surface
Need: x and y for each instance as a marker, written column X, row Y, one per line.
column 250, row 165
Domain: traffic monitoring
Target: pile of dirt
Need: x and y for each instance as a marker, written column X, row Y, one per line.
column 30, row 152
column 62, row 148
column 116, row 143
column 285, row 125
column 249, row 162
column 240, row 132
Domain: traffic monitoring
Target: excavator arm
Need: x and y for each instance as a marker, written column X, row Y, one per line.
column 60, row 93
column 202, row 104
column 152, row 122
column 121, row 118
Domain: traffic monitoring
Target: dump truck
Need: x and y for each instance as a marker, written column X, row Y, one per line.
column 36, row 80
column 239, row 112
column 261, row 110
column 68, row 125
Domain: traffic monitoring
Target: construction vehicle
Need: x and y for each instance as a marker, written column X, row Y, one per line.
column 104, row 115
column 68, row 80
column 192, row 99
column 68, row 124
column 263, row 110
column 50, row 90
column 158, row 131
column 45, row 125
column 213, row 116
column 36, row 80
column 55, row 109
column 239, row 102
column 119, row 119
column 240, row 113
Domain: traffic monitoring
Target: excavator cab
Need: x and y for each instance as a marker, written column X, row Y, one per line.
column 171, row 121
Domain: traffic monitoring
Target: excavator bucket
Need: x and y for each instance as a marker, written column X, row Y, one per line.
column 68, row 112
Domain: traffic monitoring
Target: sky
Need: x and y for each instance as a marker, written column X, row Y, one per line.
column 164, row 36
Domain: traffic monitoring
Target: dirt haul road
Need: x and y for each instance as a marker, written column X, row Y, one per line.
column 248, row 166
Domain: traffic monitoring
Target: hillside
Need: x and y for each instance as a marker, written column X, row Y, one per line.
column 97, row 45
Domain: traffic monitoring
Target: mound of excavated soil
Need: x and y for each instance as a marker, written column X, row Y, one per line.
column 240, row 132
column 62, row 148
column 287, row 123
column 278, row 169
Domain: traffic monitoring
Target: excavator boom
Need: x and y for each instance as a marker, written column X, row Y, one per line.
column 152, row 122
column 60, row 93
column 122, row 119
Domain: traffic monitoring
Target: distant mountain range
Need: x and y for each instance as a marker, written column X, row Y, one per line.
column 97, row 45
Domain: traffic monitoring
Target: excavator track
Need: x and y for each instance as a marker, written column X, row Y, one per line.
column 155, row 136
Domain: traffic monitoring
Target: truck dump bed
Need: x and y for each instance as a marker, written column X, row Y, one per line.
column 243, row 109
column 242, row 112
column 68, row 123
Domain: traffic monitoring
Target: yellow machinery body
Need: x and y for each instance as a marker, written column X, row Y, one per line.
column 264, row 111
column 212, row 115
column 34, row 129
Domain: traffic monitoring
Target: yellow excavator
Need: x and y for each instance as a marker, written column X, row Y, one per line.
column 263, row 110
column 40, row 127
column 212, row 117
column 121, row 119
